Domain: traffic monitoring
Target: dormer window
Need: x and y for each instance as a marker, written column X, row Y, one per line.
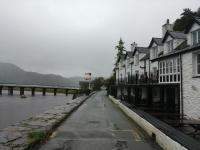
column 170, row 46
column 137, row 59
column 196, row 64
column 155, row 52
column 196, row 37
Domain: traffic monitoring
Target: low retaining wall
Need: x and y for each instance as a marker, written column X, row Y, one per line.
column 166, row 136
column 25, row 134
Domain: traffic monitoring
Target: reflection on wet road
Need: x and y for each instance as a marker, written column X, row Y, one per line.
column 99, row 125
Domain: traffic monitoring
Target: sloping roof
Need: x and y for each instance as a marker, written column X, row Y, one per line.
column 141, row 50
column 129, row 54
column 195, row 20
column 182, row 45
column 174, row 35
column 158, row 41
column 176, row 52
column 147, row 56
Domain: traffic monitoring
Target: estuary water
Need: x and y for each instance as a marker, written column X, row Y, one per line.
column 14, row 108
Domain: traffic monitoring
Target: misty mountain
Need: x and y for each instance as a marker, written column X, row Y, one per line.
column 12, row 74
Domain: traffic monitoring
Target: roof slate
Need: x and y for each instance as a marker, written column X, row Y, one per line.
column 195, row 20
column 147, row 56
column 175, row 35
column 158, row 41
column 142, row 49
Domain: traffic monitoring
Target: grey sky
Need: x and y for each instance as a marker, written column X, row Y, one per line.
column 71, row 37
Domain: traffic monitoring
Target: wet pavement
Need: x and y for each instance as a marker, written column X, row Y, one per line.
column 99, row 125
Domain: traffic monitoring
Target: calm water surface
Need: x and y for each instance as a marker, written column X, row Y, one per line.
column 14, row 109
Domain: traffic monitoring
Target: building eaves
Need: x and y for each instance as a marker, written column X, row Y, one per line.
column 195, row 20
column 129, row 54
column 174, row 35
column 177, row 52
column 158, row 41
column 140, row 50
column 147, row 56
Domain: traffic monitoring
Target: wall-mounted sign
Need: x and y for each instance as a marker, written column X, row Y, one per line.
column 88, row 76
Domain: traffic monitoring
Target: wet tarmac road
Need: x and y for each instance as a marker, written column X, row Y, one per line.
column 99, row 125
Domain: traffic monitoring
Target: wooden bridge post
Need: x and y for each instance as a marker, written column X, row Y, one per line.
column 162, row 98
column 10, row 90
column 129, row 94
column 1, row 87
column 21, row 90
column 66, row 92
column 150, row 98
column 55, row 91
column 33, row 91
column 44, row 91
column 136, row 96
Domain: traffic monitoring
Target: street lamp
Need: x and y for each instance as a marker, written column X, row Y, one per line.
column 88, row 78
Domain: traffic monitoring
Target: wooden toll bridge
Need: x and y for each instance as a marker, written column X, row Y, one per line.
column 22, row 88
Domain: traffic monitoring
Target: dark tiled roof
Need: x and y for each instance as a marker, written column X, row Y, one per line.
column 178, row 35
column 195, row 20
column 182, row 45
column 176, row 52
column 145, row 57
column 129, row 54
column 158, row 41
column 174, row 34
column 142, row 49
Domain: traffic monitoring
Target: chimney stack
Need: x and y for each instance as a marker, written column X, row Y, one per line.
column 166, row 27
column 133, row 45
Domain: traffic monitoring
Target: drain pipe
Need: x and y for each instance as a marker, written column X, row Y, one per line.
column 181, row 86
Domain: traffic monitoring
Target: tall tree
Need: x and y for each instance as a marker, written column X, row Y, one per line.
column 186, row 18
column 120, row 48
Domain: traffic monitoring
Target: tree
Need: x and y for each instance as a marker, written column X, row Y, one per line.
column 186, row 19
column 110, row 81
column 120, row 48
column 97, row 83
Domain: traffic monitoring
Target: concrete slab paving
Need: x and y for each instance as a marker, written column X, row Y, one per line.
column 99, row 125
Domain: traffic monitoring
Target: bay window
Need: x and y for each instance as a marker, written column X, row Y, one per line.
column 170, row 46
column 170, row 70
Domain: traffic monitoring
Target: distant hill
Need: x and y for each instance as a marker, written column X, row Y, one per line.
column 10, row 73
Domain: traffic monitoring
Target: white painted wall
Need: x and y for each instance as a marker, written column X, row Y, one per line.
column 191, row 88
column 162, row 139
column 189, row 36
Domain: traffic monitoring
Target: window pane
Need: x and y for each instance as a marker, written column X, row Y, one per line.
column 198, row 69
column 163, row 67
column 178, row 77
column 167, row 78
column 194, row 37
column 170, row 66
column 198, row 58
column 170, row 78
column 174, row 65
column 167, row 67
column 198, row 36
column 163, row 78
column 174, row 78
column 178, row 65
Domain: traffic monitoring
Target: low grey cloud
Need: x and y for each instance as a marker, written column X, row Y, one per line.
column 73, row 37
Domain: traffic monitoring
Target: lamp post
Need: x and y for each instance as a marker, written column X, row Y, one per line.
column 88, row 78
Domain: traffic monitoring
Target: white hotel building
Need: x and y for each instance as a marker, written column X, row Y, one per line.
column 170, row 65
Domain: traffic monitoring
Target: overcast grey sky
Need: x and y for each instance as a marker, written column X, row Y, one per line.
column 71, row 37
